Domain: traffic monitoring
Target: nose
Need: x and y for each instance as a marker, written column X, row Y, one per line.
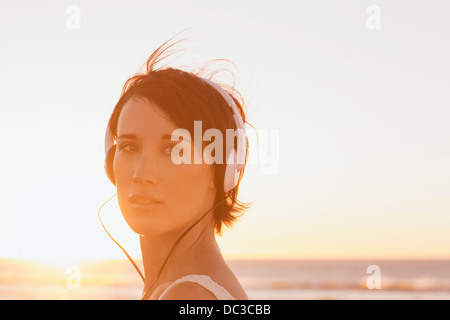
column 145, row 171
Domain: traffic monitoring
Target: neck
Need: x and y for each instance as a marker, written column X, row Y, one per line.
column 197, row 243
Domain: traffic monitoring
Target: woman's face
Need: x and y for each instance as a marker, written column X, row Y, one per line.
column 143, row 168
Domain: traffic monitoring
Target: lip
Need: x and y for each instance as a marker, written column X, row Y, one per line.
column 143, row 202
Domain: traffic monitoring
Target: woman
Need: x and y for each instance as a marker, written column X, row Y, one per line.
column 177, row 208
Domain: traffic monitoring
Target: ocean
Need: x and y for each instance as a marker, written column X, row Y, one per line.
column 262, row 279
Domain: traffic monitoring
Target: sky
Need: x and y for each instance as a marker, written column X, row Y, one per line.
column 350, row 100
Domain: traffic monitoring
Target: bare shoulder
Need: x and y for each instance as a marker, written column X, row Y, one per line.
column 187, row 291
column 226, row 278
column 233, row 286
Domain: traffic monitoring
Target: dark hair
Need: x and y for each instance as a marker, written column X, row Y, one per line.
column 184, row 97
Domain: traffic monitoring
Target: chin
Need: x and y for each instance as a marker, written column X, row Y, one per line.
column 141, row 225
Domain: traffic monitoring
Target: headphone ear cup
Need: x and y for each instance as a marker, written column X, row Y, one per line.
column 231, row 173
column 109, row 164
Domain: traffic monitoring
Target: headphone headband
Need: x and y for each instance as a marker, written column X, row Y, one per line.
column 242, row 142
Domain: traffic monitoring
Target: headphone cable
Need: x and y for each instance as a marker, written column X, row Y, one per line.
column 124, row 251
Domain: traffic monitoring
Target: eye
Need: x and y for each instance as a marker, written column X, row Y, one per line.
column 171, row 147
column 128, row 147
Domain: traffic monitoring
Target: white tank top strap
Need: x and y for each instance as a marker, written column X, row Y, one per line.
column 205, row 281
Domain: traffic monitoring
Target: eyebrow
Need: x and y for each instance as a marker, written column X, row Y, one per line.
column 133, row 136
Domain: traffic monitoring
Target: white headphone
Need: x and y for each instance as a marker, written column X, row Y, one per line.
column 235, row 161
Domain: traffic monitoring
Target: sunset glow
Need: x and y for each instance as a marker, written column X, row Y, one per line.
column 353, row 156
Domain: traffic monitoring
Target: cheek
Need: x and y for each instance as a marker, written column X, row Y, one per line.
column 123, row 175
column 123, row 172
column 189, row 192
column 189, row 181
